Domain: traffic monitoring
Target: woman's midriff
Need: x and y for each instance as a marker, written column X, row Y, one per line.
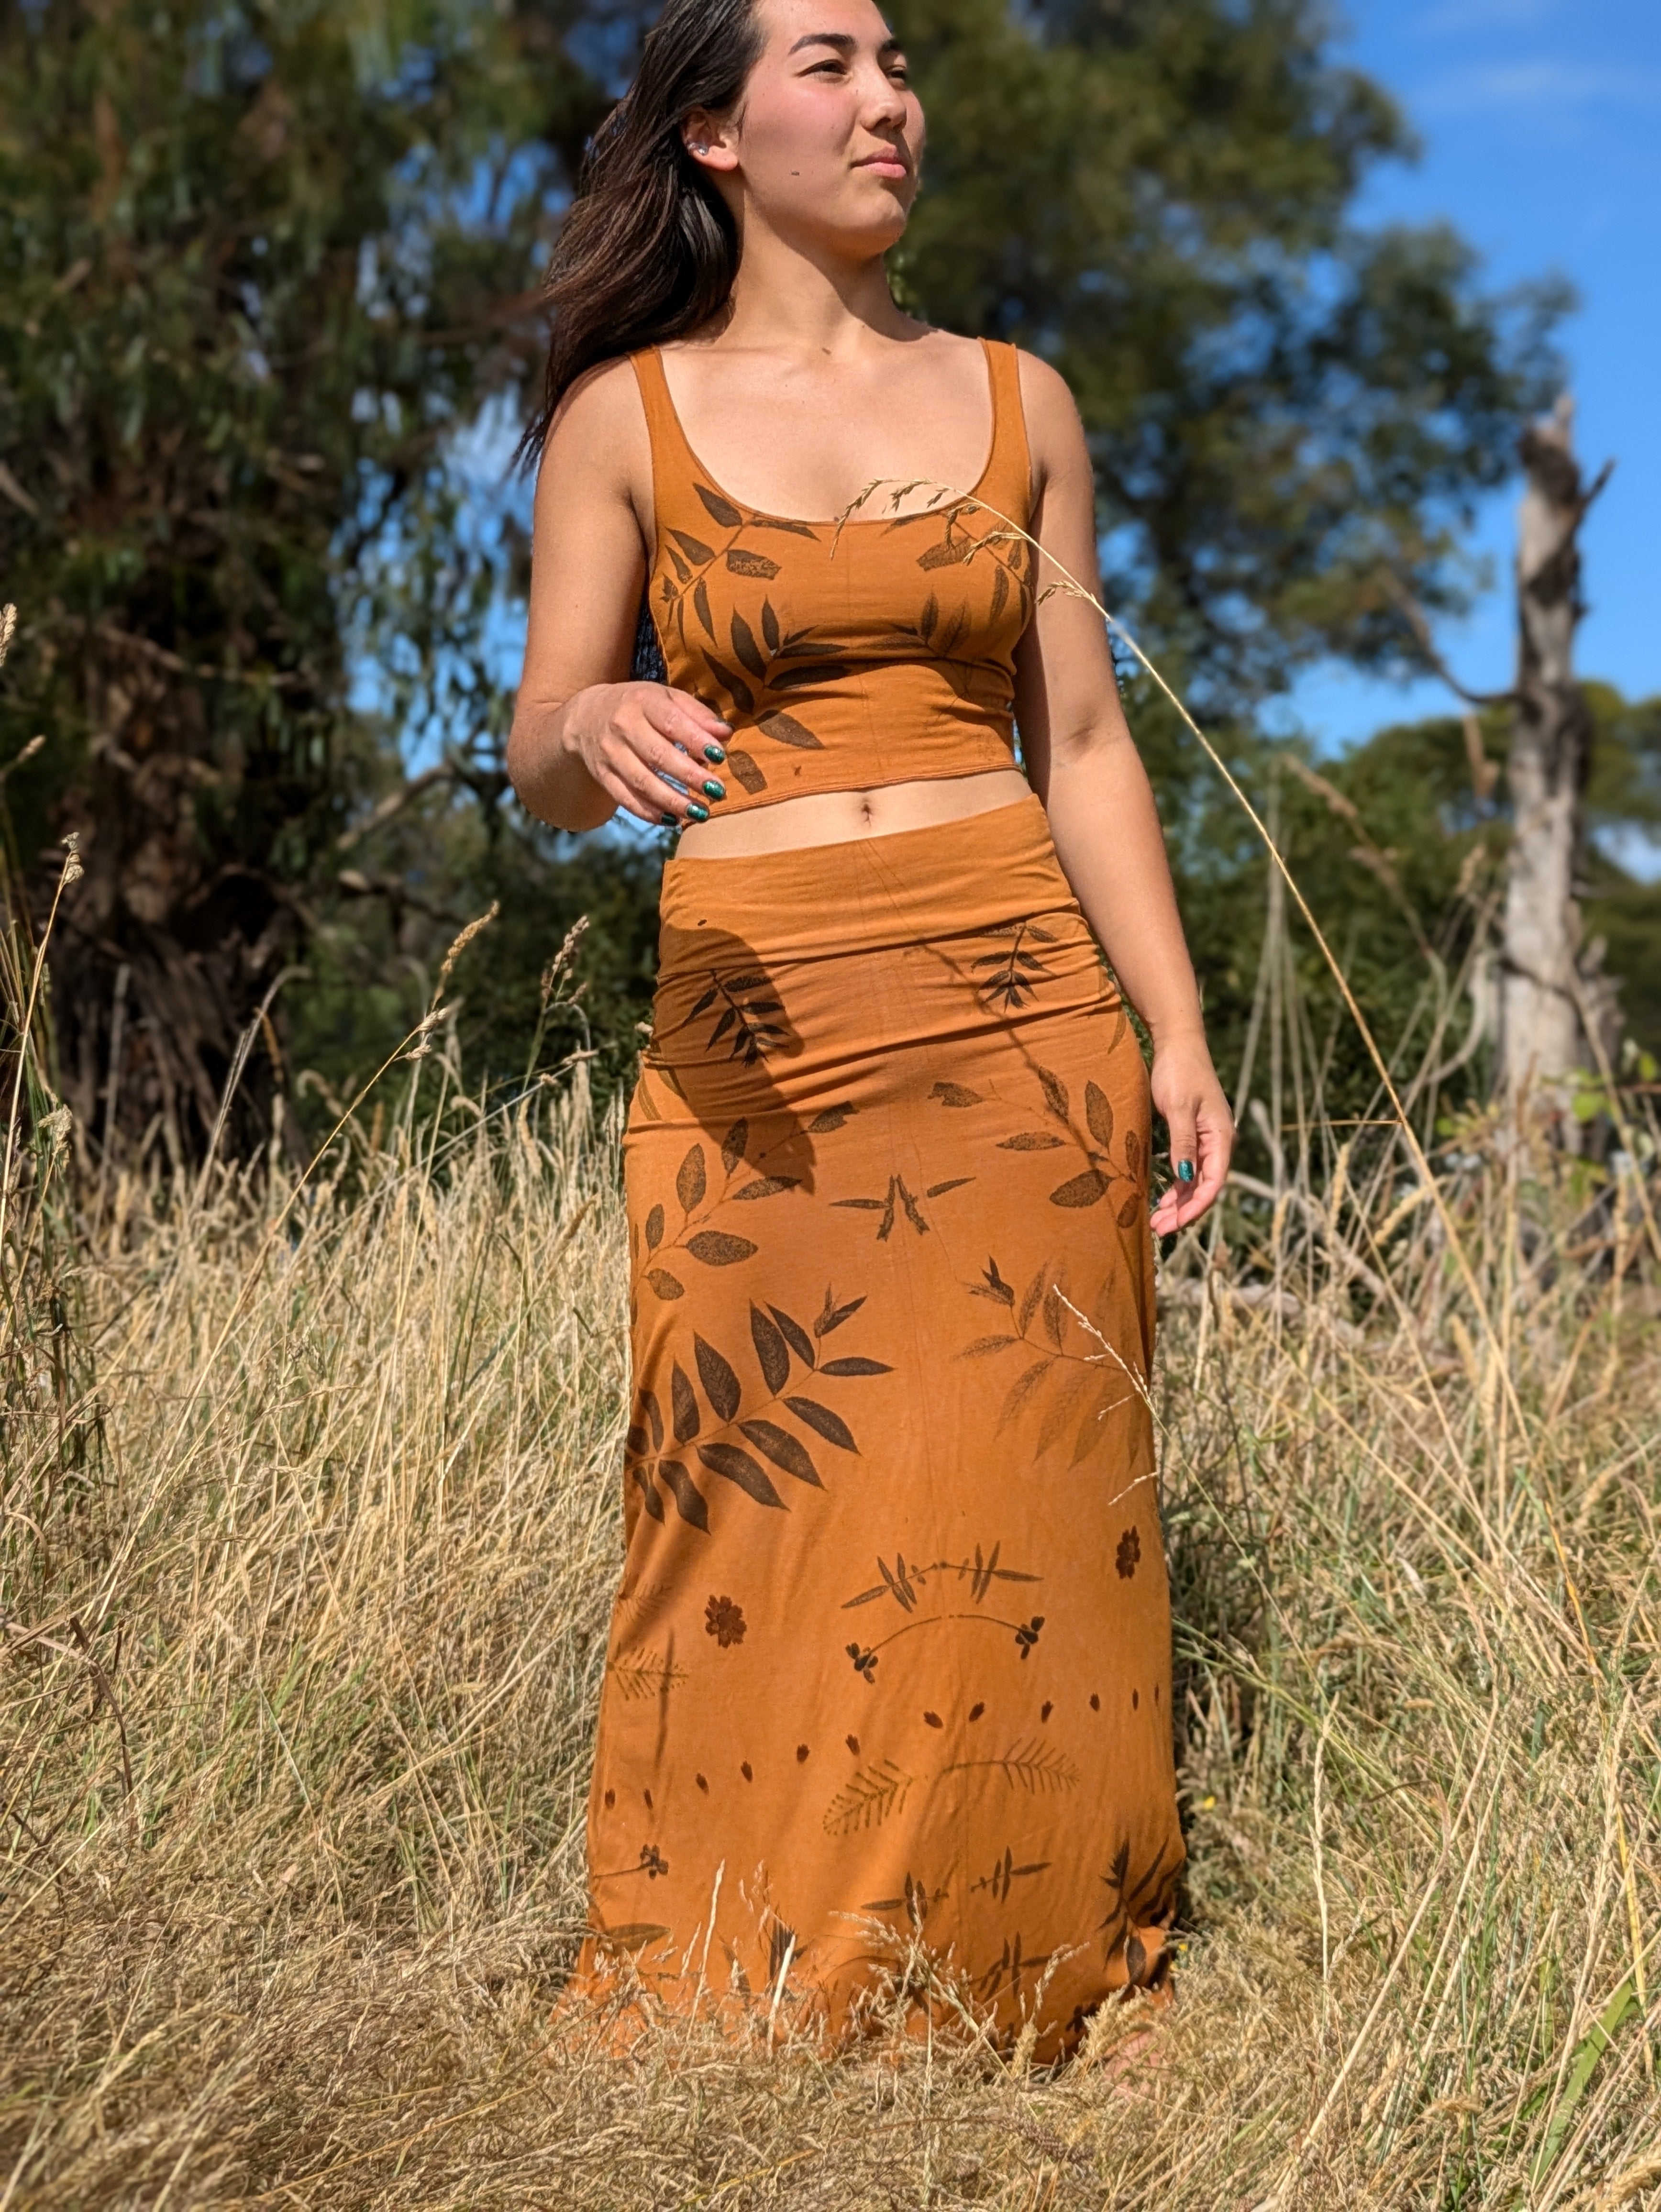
column 839, row 818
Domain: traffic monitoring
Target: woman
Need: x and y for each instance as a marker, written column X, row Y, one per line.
column 888, row 1680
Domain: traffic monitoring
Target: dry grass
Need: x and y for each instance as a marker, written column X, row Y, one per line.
column 310, row 1526
column 330, row 1579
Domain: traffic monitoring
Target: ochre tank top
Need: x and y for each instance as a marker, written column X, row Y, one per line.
column 877, row 651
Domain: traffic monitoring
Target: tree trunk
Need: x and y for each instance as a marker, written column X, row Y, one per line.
column 1543, row 1037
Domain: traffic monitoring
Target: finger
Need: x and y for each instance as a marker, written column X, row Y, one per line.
column 686, row 721
column 1186, row 1203
column 663, row 784
column 681, row 761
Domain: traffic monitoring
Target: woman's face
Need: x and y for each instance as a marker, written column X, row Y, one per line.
column 826, row 141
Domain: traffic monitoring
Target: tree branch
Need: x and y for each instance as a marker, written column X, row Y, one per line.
column 1413, row 614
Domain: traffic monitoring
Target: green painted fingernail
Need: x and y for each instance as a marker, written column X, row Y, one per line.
column 713, row 790
column 667, row 820
column 1184, row 1170
column 696, row 813
column 715, row 754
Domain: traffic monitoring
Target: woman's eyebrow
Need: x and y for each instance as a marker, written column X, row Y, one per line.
column 844, row 43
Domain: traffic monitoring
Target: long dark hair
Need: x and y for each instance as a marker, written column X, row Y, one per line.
column 648, row 250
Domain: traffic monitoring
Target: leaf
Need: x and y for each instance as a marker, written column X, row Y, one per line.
column 1020, row 1390
column 701, row 602
column 705, row 1002
column 1000, row 590
column 1132, row 1152
column 1131, row 1210
column 832, row 1426
column 727, row 1019
column 716, row 1249
column 957, row 1094
column 1031, row 1141
column 1030, row 1297
column 769, row 1185
column 996, row 1287
column 1086, row 1189
column 1054, row 1093
column 648, row 1406
column 744, row 770
column 744, row 638
column 738, row 1466
column 631, row 1934
column 983, row 1345
column 771, row 1350
column 743, row 697
column 855, row 1365
column 721, row 1385
column 788, row 731
column 1098, row 1112
column 779, row 522
column 928, row 617
column 654, row 1229
column 1090, row 1433
column 796, row 1337
column 683, row 573
column 863, row 1204
column 832, row 1118
column 732, row 1144
column 783, row 1449
column 741, row 561
column 650, row 1493
column 769, row 625
column 949, row 554
column 939, row 1189
column 666, row 1284
column 689, row 1498
column 831, row 1316
column 720, row 510
column 1053, row 1327
column 691, row 1182
column 693, row 548
column 683, row 1406
column 814, row 672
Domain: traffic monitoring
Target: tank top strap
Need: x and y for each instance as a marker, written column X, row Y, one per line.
column 672, row 460
column 1007, row 484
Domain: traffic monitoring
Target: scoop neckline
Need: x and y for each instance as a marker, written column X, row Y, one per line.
column 855, row 522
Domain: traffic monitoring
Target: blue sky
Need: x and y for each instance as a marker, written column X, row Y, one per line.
column 1540, row 123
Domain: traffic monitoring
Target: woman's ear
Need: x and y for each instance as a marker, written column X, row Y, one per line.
column 712, row 144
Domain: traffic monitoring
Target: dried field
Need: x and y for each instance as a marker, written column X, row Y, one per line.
column 312, row 1515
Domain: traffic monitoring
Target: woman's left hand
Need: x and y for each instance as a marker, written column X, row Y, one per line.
column 1187, row 1092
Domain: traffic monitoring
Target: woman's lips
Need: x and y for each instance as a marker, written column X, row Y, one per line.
column 885, row 164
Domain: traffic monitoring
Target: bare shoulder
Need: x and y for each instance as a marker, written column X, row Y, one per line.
column 1053, row 428
column 598, row 431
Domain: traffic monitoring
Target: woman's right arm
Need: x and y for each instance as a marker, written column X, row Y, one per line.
column 585, row 740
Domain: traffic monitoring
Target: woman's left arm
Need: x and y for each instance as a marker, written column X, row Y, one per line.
column 1085, row 767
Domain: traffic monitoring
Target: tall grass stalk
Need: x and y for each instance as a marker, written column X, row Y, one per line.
column 303, row 1640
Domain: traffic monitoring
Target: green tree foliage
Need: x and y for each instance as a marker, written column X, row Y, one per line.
column 1399, row 846
column 258, row 263
column 1158, row 197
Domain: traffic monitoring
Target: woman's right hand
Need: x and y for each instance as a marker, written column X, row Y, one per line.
column 632, row 737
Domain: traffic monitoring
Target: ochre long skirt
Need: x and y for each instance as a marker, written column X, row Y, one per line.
column 887, row 1696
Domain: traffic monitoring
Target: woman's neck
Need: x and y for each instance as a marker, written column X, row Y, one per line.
column 791, row 297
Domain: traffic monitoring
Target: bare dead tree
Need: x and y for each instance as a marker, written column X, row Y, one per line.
column 1551, row 986
column 1552, row 989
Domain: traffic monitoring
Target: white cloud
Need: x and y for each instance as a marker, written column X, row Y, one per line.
column 1542, row 83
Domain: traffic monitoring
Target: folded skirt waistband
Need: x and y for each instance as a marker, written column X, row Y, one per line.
column 824, row 900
